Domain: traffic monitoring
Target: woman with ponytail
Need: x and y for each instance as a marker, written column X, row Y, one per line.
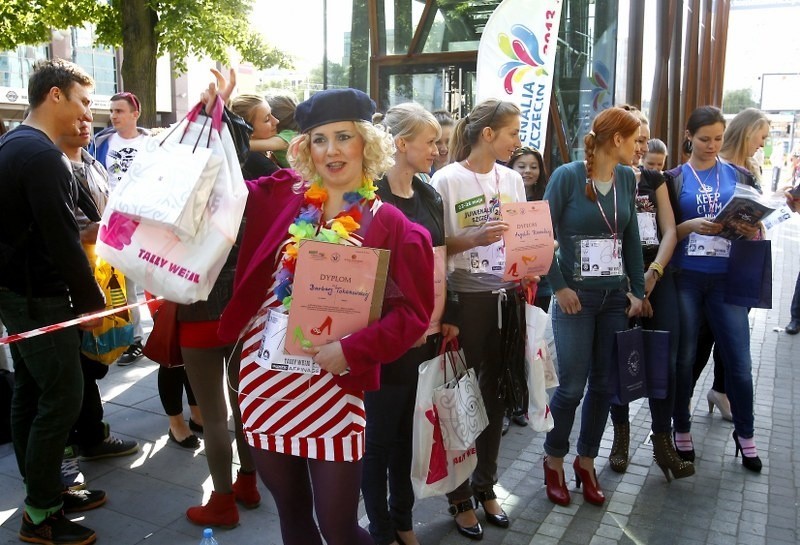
column 472, row 189
column 598, row 283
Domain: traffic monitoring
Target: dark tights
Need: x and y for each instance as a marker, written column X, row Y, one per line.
column 171, row 383
column 302, row 487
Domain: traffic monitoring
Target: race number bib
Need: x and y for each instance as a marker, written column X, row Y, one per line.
column 271, row 354
column 600, row 257
column 703, row 245
column 488, row 259
column 648, row 230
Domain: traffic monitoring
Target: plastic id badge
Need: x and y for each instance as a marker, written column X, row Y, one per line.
column 648, row 232
column 598, row 257
column 707, row 246
column 271, row 354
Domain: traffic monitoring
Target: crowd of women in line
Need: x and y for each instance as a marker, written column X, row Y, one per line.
column 355, row 180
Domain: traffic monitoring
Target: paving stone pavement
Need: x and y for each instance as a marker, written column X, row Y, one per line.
column 721, row 504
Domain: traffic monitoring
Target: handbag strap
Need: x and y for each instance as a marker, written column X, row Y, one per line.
column 192, row 117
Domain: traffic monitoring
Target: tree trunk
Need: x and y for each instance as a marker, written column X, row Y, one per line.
column 140, row 48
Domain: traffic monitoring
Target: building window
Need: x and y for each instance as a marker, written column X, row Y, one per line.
column 99, row 62
column 16, row 65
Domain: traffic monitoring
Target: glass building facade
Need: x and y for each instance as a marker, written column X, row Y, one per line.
column 426, row 51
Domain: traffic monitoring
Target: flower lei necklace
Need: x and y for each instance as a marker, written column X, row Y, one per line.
column 308, row 225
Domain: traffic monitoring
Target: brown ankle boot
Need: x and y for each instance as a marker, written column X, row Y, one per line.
column 667, row 458
column 618, row 459
column 245, row 488
column 220, row 511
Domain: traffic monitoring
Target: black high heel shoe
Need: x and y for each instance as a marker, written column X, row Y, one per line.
column 753, row 463
column 472, row 532
column 686, row 455
column 500, row 519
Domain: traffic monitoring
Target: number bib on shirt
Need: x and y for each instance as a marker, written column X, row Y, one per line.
column 648, row 232
column 708, row 246
column 488, row 259
column 271, row 354
column 600, row 257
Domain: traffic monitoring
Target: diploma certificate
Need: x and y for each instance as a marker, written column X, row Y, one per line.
column 528, row 240
column 337, row 291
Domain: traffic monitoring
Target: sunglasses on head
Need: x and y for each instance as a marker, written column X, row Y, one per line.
column 525, row 149
column 130, row 97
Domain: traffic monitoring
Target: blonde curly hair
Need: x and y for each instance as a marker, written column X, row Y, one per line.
column 378, row 152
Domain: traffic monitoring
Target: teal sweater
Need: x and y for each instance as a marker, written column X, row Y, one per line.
column 575, row 215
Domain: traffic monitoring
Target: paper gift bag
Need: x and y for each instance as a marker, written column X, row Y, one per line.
column 627, row 380
column 460, row 408
column 750, row 274
column 434, row 469
column 170, row 180
column 656, row 360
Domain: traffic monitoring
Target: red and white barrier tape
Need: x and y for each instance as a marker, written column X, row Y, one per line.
column 69, row 323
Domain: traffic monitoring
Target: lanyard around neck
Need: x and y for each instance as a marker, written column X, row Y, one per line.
column 480, row 187
column 603, row 213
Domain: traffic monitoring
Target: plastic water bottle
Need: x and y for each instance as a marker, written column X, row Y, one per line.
column 208, row 537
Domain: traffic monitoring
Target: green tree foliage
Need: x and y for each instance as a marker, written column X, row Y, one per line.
column 737, row 100
column 145, row 29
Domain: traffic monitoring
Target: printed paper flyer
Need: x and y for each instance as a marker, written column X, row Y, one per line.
column 337, row 291
column 528, row 240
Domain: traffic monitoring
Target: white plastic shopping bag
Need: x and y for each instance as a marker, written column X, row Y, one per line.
column 434, row 469
column 171, row 178
column 182, row 270
column 539, row 417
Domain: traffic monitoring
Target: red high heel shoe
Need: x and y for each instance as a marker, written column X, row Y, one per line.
column 556, row 491
column 591, row 490
column 325, row 325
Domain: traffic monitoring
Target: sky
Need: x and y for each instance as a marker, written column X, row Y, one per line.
column 296, row 26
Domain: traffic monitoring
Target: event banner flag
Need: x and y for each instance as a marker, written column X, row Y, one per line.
column 516, row 61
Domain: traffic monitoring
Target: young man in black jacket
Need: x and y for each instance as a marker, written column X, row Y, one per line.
column 45, row 278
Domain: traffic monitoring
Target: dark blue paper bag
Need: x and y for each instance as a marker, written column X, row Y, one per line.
column 627, row 380
column 656, row 360
column 750, row 274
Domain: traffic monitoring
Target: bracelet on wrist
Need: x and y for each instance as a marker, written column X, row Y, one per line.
column 656, row 267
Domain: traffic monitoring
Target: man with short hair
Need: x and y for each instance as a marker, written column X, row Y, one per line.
column 115, row 149
column 91, row 437
column 44, row 279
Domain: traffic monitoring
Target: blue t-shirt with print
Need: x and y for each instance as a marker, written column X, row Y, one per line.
column 702, row 196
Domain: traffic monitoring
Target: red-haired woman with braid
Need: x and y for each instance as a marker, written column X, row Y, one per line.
column 598, row 282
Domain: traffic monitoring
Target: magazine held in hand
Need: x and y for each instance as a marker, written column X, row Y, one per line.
column 747, row 206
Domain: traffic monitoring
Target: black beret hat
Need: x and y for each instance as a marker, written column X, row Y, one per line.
column 334, row 105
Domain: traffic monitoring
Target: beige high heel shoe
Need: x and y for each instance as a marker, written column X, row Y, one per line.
column 721, row 401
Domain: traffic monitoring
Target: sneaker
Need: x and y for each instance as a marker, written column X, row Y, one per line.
column 133, row 353
column 110, row 447
column 76, row 501
column 55, row 530
column 71, row 475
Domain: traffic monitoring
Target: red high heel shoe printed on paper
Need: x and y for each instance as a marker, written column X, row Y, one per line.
column 325, row 325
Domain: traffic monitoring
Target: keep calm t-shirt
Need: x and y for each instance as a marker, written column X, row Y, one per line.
column 121, row 152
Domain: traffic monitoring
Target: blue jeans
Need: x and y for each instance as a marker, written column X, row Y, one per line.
column 665, row 318
column 584, row 344
column 701, row 296
column 48, row 388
